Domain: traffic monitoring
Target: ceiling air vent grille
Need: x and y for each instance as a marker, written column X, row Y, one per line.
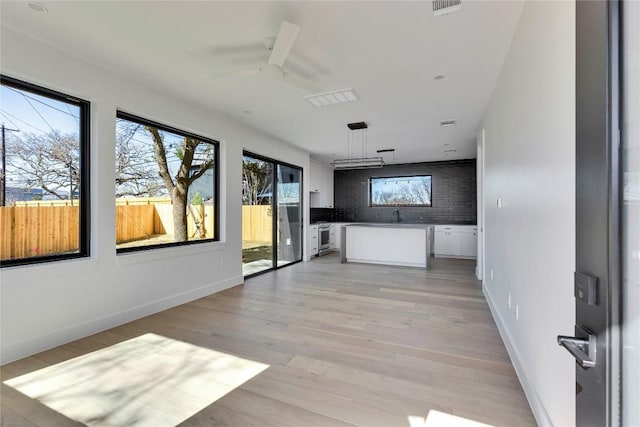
column 442, row 7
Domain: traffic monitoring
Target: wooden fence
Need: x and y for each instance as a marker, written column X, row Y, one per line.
column 257, row 223
column 34, row 231
column 46, row 227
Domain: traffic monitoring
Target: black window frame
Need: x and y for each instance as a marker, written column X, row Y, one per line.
column 274, row 233
column 373, row 205
column 84, row 135
column 216, row 185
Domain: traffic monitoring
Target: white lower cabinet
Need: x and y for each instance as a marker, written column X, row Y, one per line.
column 455, row 241
column 468, row 244
column 312, row 241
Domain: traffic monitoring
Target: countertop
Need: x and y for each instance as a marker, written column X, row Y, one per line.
column 386, row 225
column 396, row 223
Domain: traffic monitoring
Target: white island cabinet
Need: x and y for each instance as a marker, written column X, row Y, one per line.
column 456, row 241
column 391, row 244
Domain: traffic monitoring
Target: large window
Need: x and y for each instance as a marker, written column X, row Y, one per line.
column 166, row 186
column 44, row 203
column 400, row 191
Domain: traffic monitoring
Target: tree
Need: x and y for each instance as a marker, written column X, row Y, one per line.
column 136, row 169
column 256, row 181
column 49, row 161
column 178, row 186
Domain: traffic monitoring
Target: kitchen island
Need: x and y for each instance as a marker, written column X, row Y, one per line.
column 393, row 244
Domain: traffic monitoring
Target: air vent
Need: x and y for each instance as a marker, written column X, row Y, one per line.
column 442, row 7
column 331, row 98
column 447, row 123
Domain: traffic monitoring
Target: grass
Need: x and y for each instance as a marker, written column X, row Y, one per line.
column 257, row 253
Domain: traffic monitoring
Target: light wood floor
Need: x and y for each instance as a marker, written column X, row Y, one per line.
column 346, row 344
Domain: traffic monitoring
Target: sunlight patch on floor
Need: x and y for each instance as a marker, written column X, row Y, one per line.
column 442, row 419
column 150, row 380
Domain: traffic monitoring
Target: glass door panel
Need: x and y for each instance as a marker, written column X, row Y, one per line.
column 257, row 215
column 631, row 213
column 289, row 210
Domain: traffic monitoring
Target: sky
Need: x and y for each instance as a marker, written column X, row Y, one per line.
column 31, row 113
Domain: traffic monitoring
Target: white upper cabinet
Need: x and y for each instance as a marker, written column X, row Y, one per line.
column 315, row 176
column 320, row 185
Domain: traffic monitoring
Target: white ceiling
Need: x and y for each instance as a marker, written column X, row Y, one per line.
column 388, row 52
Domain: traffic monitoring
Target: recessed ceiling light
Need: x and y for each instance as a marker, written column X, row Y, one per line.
column 448, row 123
column 453, row 150
column 38, row 7
column 439, row 77
column 330, row 98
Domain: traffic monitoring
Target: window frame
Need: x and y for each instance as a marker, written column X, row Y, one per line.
column 373, row 205
column 84, row 136
column 120, row 114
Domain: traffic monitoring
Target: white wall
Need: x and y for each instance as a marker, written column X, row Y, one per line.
column 530, row 241
column 48, row 304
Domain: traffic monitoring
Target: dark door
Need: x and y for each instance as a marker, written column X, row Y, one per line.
column 596, row 345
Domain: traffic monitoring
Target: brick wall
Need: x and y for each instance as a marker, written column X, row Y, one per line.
column 453, row 193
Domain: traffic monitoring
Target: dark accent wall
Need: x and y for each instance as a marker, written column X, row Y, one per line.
column 322, row 214
column 453, row 194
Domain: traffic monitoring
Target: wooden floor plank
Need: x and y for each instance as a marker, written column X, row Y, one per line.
column 346, row 344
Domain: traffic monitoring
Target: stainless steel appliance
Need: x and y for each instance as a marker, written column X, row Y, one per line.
column 324, row 239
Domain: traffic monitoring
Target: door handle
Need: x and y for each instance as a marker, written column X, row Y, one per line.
column 583, row 349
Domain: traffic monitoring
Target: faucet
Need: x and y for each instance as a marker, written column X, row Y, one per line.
column 396, row 215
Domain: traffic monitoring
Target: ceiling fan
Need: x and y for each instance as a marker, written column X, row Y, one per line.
column 278, row 48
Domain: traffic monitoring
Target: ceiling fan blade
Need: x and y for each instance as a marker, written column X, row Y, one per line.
column 301, row 83
column 284, row 41
column 236, row 73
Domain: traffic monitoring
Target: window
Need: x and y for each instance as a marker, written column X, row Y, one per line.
column 44, row 186
column 166, row 186
column 400, row 191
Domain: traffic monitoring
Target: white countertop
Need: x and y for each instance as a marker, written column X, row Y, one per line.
column 386, row 225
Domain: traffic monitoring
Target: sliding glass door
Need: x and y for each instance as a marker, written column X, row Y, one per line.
column 257, row 215
column 271, row 214
column 289, row 210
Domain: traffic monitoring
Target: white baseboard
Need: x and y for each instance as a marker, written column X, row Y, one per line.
column 50, row 340
column 537, row 406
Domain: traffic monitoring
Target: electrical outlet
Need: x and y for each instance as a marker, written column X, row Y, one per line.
column 288, row 242
column 517, row 313
column 491, row 274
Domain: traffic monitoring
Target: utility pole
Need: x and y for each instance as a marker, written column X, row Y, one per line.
column 3, row 183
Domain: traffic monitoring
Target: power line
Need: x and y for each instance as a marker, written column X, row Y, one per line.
column 74, row 117
column 20, row 120
column 38, row 112
column 43, row 103
column 12, row 122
